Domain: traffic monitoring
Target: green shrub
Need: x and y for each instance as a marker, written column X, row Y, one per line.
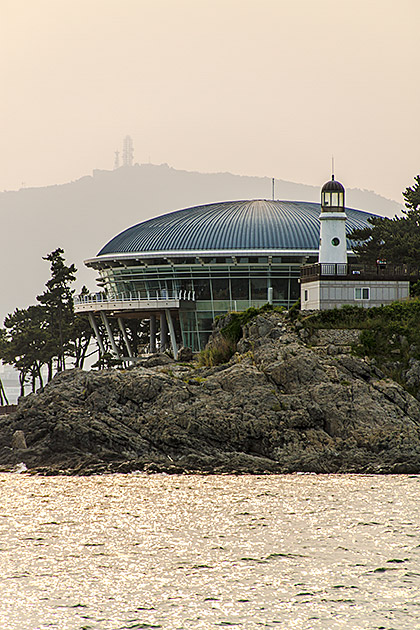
column 233, row 330
column 389, row 334
column 294, row 310
column 220, row 351
column 223, row 347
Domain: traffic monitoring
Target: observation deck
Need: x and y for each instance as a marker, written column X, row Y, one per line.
column 347, row 271
column 123, row 303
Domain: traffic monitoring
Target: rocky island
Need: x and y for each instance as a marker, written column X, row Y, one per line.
column 285, row 402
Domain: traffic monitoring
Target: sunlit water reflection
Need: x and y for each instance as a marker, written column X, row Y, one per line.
column 190, row 552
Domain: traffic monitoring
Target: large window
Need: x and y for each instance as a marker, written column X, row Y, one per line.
column 280, row 288
column 202, row 289
column 294, row 289
column 220, row 289
column 240, row 288
column 259, row 288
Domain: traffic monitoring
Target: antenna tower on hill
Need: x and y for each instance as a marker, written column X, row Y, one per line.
column 117, row 160
column 128, row 151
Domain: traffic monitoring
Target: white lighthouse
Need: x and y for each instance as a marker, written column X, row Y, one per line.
column 332, row 241
column 332, row 282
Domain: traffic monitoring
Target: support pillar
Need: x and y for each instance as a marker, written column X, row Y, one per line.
column 163, row 333
column 96, row 332
column 124, row 334
column 171, row 333
column 110, row 335
column 153, row 334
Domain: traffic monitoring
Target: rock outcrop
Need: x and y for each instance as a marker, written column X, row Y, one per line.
column 279, row 405
column 18, row 440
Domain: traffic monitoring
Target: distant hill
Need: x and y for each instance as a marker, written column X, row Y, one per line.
column 83, row 215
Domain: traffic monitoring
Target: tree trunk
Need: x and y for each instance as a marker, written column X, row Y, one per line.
column 84, row 352
column 22, row 383
column 41, row 381
column 3, row 397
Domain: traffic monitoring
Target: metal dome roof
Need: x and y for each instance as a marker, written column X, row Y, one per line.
column 231, row 225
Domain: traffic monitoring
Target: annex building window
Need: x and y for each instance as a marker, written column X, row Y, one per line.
column 362, row 293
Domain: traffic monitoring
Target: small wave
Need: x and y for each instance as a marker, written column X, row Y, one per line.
column 20, row 468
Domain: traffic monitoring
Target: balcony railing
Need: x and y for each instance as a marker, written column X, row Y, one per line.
column 354, row 271
column 99, row 298
column 132, row 302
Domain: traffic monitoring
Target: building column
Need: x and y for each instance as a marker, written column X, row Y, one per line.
column 96, row 332
column 110, row 335
column 124, row 334
column 153, row 334
column 172, row 333
column 163, row 332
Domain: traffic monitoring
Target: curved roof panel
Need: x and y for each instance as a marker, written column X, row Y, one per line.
column 231, row 225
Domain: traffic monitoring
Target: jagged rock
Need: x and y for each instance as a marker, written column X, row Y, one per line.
column 185, row 354
column 279, row 405
column 154, row 360
column 412, row 375
column 18, row 440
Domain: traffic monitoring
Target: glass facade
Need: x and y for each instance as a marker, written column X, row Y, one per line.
column 219, row 285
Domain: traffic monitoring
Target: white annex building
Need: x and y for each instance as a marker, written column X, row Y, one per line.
column 333, row 282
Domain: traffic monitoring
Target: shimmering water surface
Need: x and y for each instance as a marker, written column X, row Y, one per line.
column 178, row 552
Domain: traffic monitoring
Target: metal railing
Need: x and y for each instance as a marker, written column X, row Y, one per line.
column 102, row 298
column 357, row 271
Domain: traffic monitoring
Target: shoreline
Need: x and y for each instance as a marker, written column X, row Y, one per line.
column 280, row 405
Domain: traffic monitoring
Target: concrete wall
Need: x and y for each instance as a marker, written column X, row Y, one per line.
column 325, row 294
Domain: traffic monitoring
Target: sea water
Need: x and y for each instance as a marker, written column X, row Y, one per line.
column 135, row 551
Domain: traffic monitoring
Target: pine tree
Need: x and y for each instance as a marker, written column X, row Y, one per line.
column 25, row 344
column 48, row 332
column 395, row 240
column 58, row 302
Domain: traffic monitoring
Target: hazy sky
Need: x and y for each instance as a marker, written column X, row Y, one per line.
column 255, row 87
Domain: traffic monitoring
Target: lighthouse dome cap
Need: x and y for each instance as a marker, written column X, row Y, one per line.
column 333, row 186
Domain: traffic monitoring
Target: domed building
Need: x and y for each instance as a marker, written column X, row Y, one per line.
column 182, row 269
